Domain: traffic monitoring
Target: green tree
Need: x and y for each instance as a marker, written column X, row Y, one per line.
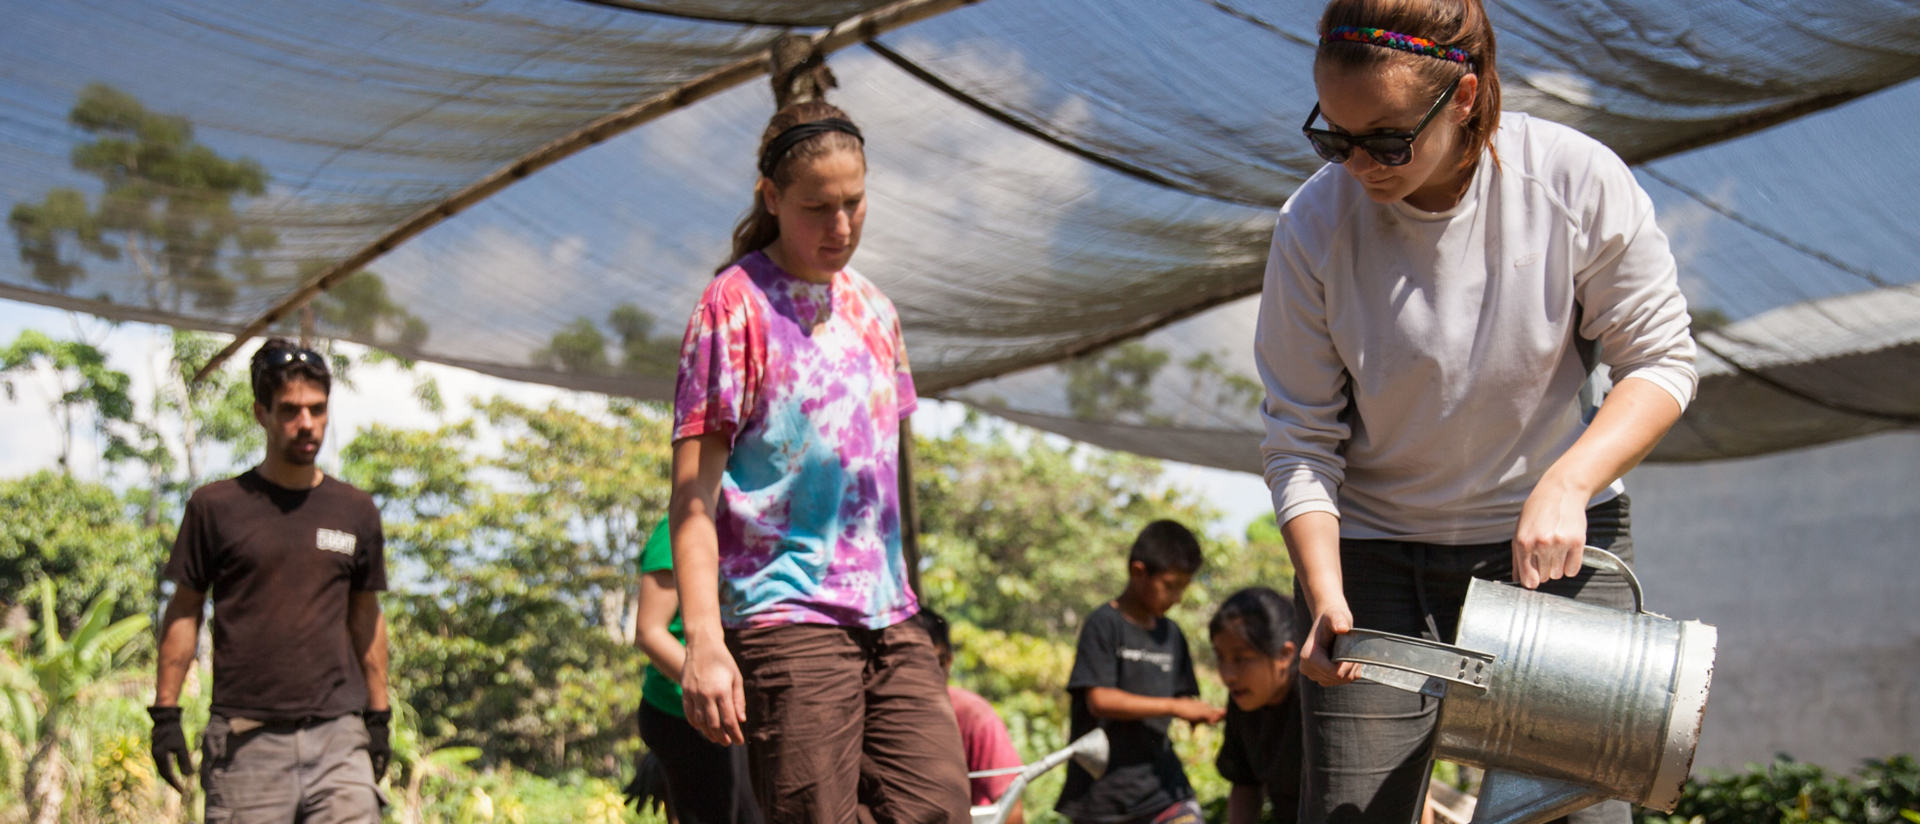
column 167, row 204
column 1232, row 392
column 38, row 231
column 1261, row 560
column 212, row 413
column 361, row 307
column 77, row 533
column 581, row 346
column 1111, row 385
column 83, row 381
column 641, row 351
column 1707, row 319
column 517, row 637
column 1024, row 533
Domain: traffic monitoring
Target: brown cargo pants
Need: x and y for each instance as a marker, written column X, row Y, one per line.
column 839, row 717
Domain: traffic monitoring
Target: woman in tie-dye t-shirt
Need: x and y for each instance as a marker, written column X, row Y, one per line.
column 786, row 510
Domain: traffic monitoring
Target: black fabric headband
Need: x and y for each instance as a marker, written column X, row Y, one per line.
column 784, row 142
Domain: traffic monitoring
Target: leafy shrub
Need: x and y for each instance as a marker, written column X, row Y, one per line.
column 1790, row 792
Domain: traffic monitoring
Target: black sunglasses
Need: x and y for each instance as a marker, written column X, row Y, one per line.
column 1386, row 147
column 282, row 357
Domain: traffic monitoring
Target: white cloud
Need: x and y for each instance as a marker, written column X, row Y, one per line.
column 493, row 293
column 1688, row 224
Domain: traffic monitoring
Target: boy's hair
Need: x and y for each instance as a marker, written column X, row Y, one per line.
column 279, row 360
column 1165, row 545
column 937, row 628
column 1259, row 615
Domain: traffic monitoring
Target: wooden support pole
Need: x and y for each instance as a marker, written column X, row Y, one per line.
column 306, row 326
column 799, row 71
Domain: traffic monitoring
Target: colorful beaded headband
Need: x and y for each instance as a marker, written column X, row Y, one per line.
column 1395, row 40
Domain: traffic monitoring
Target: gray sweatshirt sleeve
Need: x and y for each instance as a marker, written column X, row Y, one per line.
column 1628, row 287
column 1306, row 383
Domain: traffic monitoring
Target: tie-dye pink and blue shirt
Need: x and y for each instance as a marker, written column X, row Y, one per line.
column 809, row 381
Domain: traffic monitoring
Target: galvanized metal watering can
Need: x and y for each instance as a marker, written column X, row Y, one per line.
column 1564, row 704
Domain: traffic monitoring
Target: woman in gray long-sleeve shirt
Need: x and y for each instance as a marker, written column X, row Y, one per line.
column 1435, row 300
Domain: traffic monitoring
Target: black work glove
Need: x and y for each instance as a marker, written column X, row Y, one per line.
column 379, row 740
column 649, row 785
column 170, row 747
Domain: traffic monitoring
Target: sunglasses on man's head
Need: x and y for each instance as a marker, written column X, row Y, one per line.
column 1387, row 148
column 282, row 357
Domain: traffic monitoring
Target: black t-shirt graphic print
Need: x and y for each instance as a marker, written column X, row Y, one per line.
column 279, row 565
column 1143, row 773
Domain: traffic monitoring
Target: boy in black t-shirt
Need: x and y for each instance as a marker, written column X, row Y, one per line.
column 1131, row 676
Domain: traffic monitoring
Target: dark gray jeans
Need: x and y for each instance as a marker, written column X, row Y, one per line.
column 1370, row 747
column 318, row 774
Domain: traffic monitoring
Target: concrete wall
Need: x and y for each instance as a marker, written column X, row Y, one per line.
column 1809, row 564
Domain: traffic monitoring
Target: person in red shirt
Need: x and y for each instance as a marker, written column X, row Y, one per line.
column 982, row 733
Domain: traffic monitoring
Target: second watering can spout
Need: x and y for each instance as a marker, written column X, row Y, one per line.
column 1564, row 704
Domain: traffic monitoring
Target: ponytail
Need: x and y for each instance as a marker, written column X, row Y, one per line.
column 759, row 228
column 1458, row 24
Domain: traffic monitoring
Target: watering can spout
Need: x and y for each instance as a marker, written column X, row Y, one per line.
column 1512, row 798
column 1090, row 752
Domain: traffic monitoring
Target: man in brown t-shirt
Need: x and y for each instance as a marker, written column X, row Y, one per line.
column 294, row 561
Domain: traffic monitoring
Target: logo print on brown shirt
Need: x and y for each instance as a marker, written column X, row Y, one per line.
column 334, row 540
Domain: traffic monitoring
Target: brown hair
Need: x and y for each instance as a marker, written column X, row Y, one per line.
column 1462, row 24
column 759, row 228
column 280, row 360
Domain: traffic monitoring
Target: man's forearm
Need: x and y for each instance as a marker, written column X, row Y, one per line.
column 179, row 640
column 374, row 665
column 176, row 657
column 369, row 630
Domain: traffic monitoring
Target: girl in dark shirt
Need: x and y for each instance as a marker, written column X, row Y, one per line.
column 1254, row 640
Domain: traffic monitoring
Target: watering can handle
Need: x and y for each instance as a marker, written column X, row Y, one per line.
column 1605, row 561
column 1412, row 664
column 1429, row 667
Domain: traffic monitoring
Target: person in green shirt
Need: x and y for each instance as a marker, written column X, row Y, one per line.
column 706, row 782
